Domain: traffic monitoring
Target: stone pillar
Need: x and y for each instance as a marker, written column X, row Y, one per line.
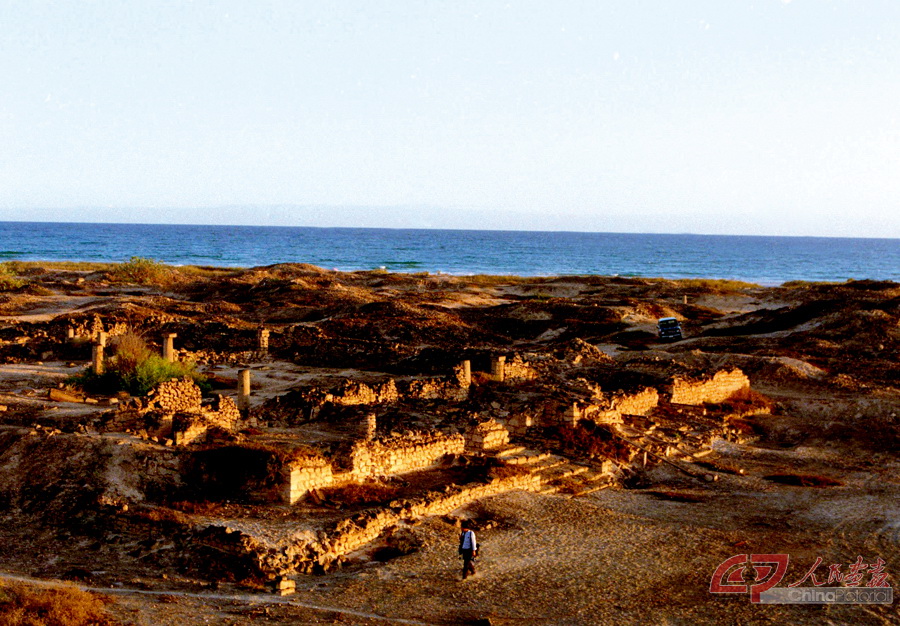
column 572, row 415
column 466, row 373
column 370, row 424
column 97, row 359
column 243, row 390
column 169, row 347
column 685, row 299
column 498, row 366
column 101, row 338
column 262, row 339
column 70, row 333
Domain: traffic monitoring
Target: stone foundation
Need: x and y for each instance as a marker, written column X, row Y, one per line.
column 308, row 551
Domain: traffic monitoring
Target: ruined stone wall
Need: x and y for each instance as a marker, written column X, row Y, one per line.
column 91, row 328
column 304, row 475
column 434, row 389
column 611, row 407
column 516, row 369
column 397, row 455
column 308, row 551
column 223, row 414
column 175, row 396
column 353, row 393
column 719, row 388
column 174, row 413
column 518, row 423
column 487, row 435
column 640, row 403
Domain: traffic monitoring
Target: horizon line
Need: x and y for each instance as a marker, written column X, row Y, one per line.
column 403, row 228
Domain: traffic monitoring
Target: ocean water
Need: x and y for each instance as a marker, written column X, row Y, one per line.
column 763, row 260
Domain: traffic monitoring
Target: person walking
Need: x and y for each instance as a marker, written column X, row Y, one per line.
column 468, row 549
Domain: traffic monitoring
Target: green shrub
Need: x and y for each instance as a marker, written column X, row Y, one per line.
column 149, row 373
column 143, row 272
column 135, row 369
column 714, row 285
column 8, row 278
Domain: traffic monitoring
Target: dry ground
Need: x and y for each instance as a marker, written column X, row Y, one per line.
column 826, row 354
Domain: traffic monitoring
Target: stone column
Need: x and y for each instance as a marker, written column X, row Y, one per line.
column 70, row 333
column 572, row 415
column 102, row 337
column 243, row 390
column 498, row 367
column 370, row 425
column 262, row 339
column 466, row 373
column 169, row 347
column 97, row 359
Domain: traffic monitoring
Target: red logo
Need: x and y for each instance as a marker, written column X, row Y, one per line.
column 753, row 573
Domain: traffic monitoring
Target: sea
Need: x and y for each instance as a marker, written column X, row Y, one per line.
column 756, row 259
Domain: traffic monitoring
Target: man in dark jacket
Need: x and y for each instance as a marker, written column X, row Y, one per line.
column 468, row 549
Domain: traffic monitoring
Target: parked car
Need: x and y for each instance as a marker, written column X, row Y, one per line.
column 669, row 329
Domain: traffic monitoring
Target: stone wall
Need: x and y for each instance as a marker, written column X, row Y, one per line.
column 397, row 455
column 640, row 403
column 516, row 369
column 434, row 389
column 518, row 423
column 304, row 475
column 91, row 328
column 487, row 435
column 175, row 396
column 609, row 408
column 222, row 414
column 308, row 551
column 174, row 413
column 719, row 388
column 305, row 403
column 352, row 393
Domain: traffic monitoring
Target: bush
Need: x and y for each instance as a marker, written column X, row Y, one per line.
column 8, row 278
column 135, row 369
column 130, row 351
column 59, row 606
column 143, row 272
column 714, row 285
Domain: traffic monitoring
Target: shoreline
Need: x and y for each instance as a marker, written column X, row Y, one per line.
column 107, row 266
column 762, row 260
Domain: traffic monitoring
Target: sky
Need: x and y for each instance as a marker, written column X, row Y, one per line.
column 748, row 117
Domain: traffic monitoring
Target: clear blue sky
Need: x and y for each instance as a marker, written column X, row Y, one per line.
column 745, row 117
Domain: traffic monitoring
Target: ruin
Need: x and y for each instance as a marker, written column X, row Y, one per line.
column 97, row 358
column 355, row 419
column 168, row 351
column 243, row 390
